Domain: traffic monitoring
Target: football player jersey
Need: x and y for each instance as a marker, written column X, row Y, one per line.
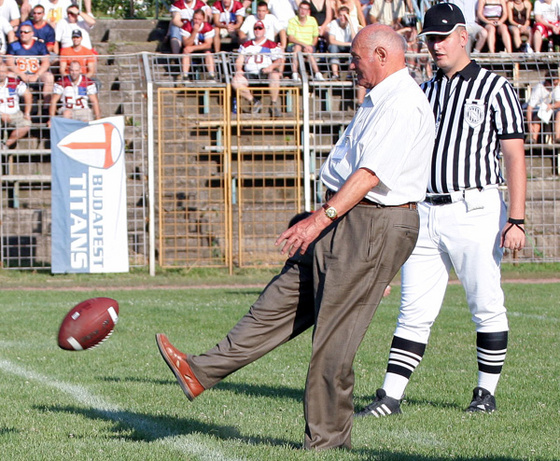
column 228, row 16
column 258, row 57
column 27, row 60
column 205, row 32
column 185, row 11
column 10, row 92
column 75, row 95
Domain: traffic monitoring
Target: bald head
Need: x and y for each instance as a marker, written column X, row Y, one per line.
column 377, row 52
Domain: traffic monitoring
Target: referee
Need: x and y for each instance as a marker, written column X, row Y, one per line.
column 463, row 221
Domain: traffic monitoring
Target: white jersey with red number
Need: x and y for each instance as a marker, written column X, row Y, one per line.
column 75, row 95
column 258, row 57
column 228, row 16
column 185, row 11
column 205, row 32
column 10, row 92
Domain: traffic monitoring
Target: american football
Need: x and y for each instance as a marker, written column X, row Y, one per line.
column 88, row 324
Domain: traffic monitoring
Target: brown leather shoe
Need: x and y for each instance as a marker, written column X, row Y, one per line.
column 177, row 362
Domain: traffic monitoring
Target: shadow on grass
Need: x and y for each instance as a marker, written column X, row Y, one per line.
column 250, row 390
column 131, row 426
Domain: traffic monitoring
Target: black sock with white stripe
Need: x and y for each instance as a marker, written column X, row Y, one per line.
column 404, row 357
column 491, row 351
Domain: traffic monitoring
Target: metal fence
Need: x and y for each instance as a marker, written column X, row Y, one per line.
column 211, row 181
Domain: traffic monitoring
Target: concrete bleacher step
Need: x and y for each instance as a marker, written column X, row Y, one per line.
column 117, row 31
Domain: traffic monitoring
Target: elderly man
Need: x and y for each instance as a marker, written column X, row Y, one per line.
column 261, row 59
column 463, row 221
column 375, row 174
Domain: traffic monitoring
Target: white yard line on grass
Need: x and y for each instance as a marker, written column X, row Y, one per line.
column 545, row 318
column 186, row 444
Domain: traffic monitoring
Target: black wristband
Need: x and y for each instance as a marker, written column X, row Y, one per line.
column 516, row 221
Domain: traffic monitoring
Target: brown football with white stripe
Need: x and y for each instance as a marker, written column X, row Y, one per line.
column 88, row 324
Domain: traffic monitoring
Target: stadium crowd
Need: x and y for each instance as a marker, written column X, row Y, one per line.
column 41, row 39
column 49, row 64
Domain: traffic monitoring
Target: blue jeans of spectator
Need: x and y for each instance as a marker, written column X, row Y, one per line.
column 335, row 49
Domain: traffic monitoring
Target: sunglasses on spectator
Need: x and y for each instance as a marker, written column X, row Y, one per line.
column 38, row 12
column 26, row 31
column 258, row 28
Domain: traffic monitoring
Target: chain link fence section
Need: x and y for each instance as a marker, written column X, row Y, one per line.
column 25, row 202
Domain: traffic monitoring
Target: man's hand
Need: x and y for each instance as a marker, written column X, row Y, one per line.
column 513, row 237
column 300, row 235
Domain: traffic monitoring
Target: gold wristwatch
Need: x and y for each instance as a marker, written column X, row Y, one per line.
column 330, row 212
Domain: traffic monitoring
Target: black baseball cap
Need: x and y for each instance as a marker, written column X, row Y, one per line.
column 442, row 19
column 76, row 33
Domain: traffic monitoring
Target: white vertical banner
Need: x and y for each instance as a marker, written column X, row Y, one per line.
column 89, row 230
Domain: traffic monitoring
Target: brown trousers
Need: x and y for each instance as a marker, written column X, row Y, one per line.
column 284, row 309
column 354, row 263
column 355, row 259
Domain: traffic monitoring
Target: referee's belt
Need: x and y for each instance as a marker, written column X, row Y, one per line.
column 452, row 197
column 410, row 205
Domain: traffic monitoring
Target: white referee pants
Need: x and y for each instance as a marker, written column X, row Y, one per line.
column 468, row 241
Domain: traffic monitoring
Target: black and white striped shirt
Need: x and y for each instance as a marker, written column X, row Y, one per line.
column 473, row 110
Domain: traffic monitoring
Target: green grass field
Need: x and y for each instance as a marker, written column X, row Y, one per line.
column 120, row 401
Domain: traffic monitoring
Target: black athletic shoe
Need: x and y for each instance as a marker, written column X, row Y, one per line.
column 383, row 405
column 482, row 401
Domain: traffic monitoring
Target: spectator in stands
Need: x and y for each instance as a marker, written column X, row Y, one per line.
column 55, row 10
column 392, row 13
column 29, row 60
column 259, row 59
column 519, row 18
column 42, row 29
column 303, row 33
column 75, row 20
column 76, row 91
column 228, row 16
column 7, row 35
column 78, row 53
column 284, row 10
column 493, row 15
column 10, row 11
column 322, row 11
column 182, row 12
column 477, row 33
column 341, row 34
column 356, row 11
column 11, row 90
column 547, row 24
column 273, row 30
column 544, row 106
column 198, row 37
